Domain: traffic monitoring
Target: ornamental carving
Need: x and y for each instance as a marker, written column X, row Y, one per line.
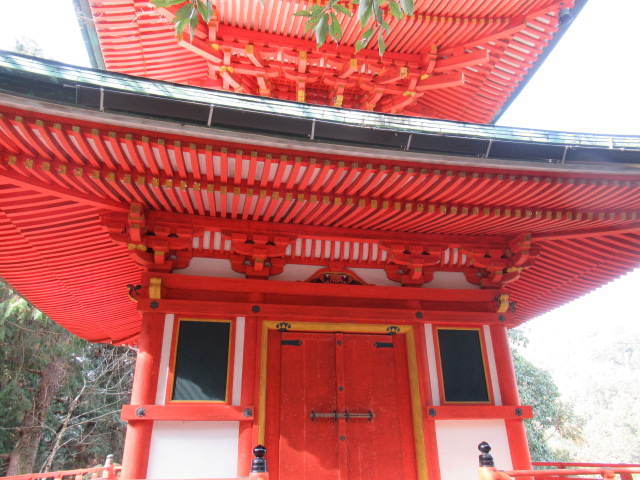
column 258, row 256
column 412, row 265
column 495, row 267
column 342, row 277
column 154, row 247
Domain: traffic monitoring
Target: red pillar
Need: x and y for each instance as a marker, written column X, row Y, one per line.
column 145, row 382
column 516, row 433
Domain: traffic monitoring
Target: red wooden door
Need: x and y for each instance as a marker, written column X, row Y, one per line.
column 339, row 407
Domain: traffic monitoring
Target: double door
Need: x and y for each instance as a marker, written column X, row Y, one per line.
column 338, row 407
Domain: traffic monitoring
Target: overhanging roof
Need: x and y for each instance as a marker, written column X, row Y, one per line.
column 65, row 166
column 459, row 60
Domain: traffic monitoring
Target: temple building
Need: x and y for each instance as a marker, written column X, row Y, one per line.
column 314, row 250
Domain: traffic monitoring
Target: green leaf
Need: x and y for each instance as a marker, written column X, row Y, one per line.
column 315, row 9
column 184, row 13
column 193, row 23
column 166, row 3
column 335, row 29
column 364, row 12
column 382, row 47
column 342, row 9
column 206, row 11
column 385, row 25
column 360, row 44
column 302, row 13
column 377, row 12
column 322, row 30
column 407, row 6
column 180, row 26
column 395, row 10
column 367, row 34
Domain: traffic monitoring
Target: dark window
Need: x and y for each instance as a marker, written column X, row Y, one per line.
column 201, row 361
column 463, row 373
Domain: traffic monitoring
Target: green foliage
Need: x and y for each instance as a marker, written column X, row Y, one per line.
column 370, row 17
column 323, row 20
column 188, row 14
column 552, row 418
column 81, row 425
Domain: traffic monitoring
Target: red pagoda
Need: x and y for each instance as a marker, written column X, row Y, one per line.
column 300, row 266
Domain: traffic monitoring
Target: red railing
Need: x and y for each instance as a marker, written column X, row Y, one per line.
column 112, row 472
column 108, row 472
column 606, row 471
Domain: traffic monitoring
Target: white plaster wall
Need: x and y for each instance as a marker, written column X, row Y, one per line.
column 432, row 366
column 193, row 450
column 209, row 267
column 493, row 368
column 296, row 273
column 238, row 362
column 163, row 374
column 452, row 280
column 215, row 267
column 458, row 446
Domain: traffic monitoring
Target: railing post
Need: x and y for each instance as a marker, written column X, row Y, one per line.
column 259, row 464
column 486, row 466
column 109, row 469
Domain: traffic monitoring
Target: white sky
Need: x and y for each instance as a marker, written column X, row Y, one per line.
column 590, row 83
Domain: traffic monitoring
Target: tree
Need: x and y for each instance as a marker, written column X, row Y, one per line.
column 553, row 418
column 60, row 395
column 28, row 46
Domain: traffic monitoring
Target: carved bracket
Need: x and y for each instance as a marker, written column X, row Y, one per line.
column 494, row 268
column 412, row 265
column 156, row 248
column 258, row 256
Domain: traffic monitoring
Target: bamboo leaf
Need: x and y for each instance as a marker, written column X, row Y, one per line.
column 385, row 25
column 302, row 13
column 360, row 44
column 367, row 34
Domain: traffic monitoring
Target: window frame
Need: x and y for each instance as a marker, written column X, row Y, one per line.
column 173, row 359
column 485, row 367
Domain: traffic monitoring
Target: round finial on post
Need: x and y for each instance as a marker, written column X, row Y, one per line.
column 259, row 464
column 485, row 459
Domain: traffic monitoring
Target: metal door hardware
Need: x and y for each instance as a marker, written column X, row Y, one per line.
column 335, row 415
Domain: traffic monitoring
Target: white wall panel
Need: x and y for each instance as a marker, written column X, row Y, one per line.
column 193, row 450
column 163, row 376
column 458, row 446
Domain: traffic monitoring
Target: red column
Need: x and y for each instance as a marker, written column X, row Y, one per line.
column 145, row 382
column 516, row 433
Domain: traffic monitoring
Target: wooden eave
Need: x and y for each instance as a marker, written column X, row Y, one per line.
column 70, row 175
column 458, row 60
